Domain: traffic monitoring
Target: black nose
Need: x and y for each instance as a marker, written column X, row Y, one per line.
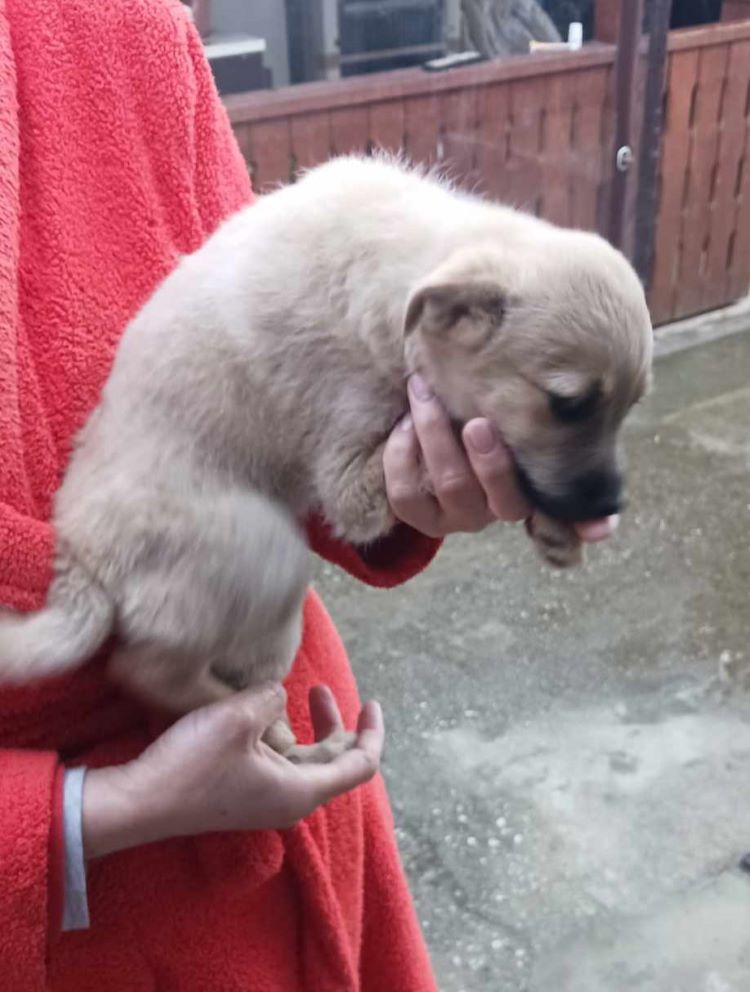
column 588, row 496
column 596, row 494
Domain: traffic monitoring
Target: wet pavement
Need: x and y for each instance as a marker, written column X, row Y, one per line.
column 569, row 754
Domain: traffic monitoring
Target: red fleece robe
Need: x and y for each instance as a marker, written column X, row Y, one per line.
column 115, row 157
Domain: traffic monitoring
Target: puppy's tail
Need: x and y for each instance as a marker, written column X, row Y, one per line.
column 76, row 620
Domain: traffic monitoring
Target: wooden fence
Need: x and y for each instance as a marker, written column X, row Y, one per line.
column 702, row 247
column 532, row 131
column 537, row 132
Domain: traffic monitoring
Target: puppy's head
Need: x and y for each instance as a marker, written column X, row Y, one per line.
column 550, row 339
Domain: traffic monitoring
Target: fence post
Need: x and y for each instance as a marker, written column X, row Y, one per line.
column 647, row 205
column 625, row 166
column 606, row 20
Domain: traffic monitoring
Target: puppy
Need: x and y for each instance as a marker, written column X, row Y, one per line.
column 259, row 384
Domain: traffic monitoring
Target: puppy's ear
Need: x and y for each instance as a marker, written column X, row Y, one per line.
column 475, row 308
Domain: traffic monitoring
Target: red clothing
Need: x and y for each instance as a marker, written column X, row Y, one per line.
column 115, row 157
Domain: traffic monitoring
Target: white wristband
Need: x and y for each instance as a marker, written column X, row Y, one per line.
column 75, row 906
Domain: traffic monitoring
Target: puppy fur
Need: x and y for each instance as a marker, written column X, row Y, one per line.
column 260, row 382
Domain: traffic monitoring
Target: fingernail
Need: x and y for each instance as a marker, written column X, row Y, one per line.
column 481, row 436
column 420, row 390
column 406, row 423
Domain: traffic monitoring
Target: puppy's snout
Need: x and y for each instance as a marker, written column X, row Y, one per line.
column 593, row 494
column 596, row 494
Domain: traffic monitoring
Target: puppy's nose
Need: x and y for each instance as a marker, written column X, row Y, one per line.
column 598, row 494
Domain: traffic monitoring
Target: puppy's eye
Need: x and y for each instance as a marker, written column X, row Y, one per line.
column 572, row 409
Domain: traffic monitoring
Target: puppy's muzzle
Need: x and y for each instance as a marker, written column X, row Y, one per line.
column 589, row 496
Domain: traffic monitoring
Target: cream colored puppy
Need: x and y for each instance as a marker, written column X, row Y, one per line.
column 259, row 384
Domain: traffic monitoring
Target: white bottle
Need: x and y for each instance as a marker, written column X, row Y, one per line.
column 575, row 36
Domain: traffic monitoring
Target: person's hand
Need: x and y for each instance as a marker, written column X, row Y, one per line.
column 211, row 771
column 470, row 487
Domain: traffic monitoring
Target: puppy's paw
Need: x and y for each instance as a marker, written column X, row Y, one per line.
column 557, row 542
column 362, row 512
column 323, row 751
column 374, row 521
column 280, row 737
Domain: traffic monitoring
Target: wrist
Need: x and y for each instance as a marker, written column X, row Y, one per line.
column 116, row 813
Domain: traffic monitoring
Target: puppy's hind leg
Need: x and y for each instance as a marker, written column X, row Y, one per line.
column 215, row 579
column 167, row 679
column 270, row 656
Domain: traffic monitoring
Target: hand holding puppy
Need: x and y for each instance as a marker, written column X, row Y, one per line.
column 468, row 488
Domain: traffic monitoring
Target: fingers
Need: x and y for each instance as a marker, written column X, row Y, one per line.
column 252, row 711
column 403, row 481
column 493, row 466
column 324, row 712
column 353, row 767
column 471, row 488
column 456, row 487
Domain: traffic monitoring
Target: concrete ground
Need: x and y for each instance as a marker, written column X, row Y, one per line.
column 569, row 754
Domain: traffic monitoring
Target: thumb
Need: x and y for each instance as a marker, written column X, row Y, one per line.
column 250, row 712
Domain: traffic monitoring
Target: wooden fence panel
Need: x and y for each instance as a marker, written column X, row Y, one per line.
column 311, row 139
column 458, row 125
column 422, row 128
column 555, row 147
column 243, row 133
column 682, row 81
column 386, row 126
column 591, row 145
column 524, row 172
column 270, row 144
column 702, row 249
column 491, row 158
column 739, row 245
column 349, row 130
column 699, row 191
column 730, row 159
column 524, row 130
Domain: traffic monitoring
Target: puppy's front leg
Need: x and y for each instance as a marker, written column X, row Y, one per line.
column 353, row 497
column 557, row 542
